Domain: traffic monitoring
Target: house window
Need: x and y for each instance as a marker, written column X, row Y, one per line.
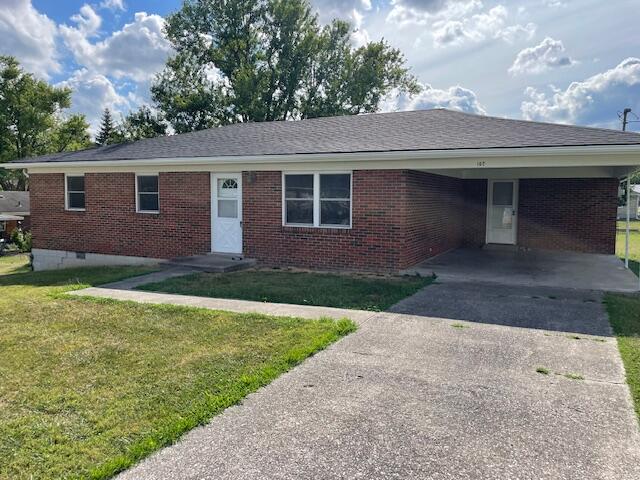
column 147, row 194
column 3, row 226
column 317, row 200
column 298, row 195
column 335, row 199
column 75, row 192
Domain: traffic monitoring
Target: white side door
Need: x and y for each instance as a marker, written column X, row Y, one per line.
column 226, row 213
column 502, row 207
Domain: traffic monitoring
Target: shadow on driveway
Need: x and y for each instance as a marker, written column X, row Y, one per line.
column 546, row 308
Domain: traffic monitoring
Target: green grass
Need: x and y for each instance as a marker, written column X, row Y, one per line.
column 624, row 315
column 88, row 387
column 459, row 325
column 634, row 245
column 300, row 288
column 14, row 264
column 543, row 370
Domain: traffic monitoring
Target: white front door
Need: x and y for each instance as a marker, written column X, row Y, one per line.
column 226, row 213
column 502, row 206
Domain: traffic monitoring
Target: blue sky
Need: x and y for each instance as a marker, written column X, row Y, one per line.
column 569, row 61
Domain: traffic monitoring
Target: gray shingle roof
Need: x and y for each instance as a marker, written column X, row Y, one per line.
column 14, row 202
column 437, row 129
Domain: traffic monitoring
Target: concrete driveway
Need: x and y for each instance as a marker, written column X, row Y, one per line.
column 509, row 265
column 410, row 395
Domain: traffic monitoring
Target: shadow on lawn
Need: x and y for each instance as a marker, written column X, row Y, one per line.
column 82, row 277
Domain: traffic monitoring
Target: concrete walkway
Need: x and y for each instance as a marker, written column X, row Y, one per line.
column 410, row 395
column 240, row 306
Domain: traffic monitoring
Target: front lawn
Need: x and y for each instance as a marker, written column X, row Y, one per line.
column 88, row 387
column 300, row 288
column 624, row 315
column 14, row 264
column 634, row 244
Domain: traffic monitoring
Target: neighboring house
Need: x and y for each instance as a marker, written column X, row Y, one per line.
column 378, row 192
column 14, row 212
column 634, row 205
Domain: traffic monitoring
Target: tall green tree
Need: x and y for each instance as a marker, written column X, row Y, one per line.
column 107, row 134
column 260, row 60
column 32, row 121
column 143, row 123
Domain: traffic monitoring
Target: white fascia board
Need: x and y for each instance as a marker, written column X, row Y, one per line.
column 460, row 158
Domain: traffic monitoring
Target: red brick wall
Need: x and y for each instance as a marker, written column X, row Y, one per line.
column 373, row 243
column 399, row 218
column 568, row 214
column 110, row 224
column 434, row 206
column 475, row 213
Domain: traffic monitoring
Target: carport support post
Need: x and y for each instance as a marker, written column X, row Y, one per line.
column 626, row 240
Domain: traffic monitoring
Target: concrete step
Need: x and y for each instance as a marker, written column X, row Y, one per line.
column 213, row 262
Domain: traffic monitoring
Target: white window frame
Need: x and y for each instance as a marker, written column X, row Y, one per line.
column 3, row 226
column 152, row 212
column 316, row 200
column 67, row 192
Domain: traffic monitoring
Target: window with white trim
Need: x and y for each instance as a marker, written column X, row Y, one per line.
column 317, row 199
column 75, row 192
column 147, row 194
column 3, row 226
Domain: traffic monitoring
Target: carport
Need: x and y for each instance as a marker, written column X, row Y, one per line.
column 546, row 217
column 510, row 265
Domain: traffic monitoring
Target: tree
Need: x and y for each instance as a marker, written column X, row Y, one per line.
column 261, row 60
column 142, row 124
column 32, row 121
column 107, row 130
column 70, row 135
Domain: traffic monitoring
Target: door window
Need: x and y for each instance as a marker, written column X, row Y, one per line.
column 227, row 198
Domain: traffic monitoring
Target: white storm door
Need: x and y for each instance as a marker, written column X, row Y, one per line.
column 226, row 213
column 502, row 206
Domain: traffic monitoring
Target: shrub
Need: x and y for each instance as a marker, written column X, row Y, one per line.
column 21, row 239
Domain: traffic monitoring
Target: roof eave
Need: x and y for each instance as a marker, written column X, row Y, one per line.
column 346, row 157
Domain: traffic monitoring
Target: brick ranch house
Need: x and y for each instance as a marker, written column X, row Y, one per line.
column 378, row 192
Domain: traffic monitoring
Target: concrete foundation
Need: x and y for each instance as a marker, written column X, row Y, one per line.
column 57, row 259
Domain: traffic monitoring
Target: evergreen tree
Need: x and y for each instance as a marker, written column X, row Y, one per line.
column 107, row 129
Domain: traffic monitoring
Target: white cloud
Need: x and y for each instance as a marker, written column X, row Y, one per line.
column 594, row 101
column 454, row 98
column 113, row 4
column 88, row 21
column 548, row 54
column 456, row 22
column 92, row 93
column 360, row 36
column 479, row 27
column 137, row 51
column 29, row 36
column 555, row 3
column 517, row 32
column 406, row 12
column 330, row 9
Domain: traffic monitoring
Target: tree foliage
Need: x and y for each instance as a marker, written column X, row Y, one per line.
column 107, row 134
column 143, row 123
column 31, row 120
column 261, row 60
